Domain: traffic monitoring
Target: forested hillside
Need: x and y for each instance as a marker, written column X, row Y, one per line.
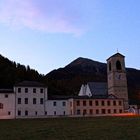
column 12, row 72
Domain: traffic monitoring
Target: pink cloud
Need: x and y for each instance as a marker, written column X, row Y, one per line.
column 25, row 13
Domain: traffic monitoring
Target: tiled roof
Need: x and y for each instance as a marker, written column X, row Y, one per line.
column 29, row 84
column 6, row 91
column 98, row 88
column 91, row 97
column 59, row 97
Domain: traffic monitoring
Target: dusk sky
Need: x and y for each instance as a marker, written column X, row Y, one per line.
column 49, row 34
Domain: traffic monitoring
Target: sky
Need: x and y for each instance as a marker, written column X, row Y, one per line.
column 49, row 34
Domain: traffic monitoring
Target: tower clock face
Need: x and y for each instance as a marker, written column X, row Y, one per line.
column 118, row 76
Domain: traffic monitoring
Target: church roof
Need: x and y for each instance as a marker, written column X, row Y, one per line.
column 98, row 88
column 29, row 84
column 116, row 55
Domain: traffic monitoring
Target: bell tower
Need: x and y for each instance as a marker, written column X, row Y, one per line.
column 117, row 81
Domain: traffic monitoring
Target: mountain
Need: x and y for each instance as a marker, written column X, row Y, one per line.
column 67, row 80
column 12, row 72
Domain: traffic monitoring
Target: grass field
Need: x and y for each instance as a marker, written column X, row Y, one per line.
column 98, row 128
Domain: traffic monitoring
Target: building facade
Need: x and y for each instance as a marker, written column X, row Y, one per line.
column 30, row 99
column 95, row 106
column 7, row 104
column 57, row 107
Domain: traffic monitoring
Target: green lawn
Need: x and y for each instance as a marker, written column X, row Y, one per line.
column 98, row 128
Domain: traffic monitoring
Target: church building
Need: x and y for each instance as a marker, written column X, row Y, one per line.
column 112, row 96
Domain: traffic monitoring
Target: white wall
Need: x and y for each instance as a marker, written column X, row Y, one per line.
column 88, row 91
column 82, row 91
column 8, row 105
column 59, row 108
column 30, row 107
column 85, row 91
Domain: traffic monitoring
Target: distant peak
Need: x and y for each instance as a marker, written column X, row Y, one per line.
column 83, row 62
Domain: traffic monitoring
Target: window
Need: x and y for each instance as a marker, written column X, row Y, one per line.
column 34, row 100
column 115, row 111
column 96, row 103
column 41, row 100
column 41, row 90
column 34, row 90
column 120, row 103
column 54, row 103
column 90, row 111
column 103, row 103
column 19, row 100
column 78, row 103
column 103, row 111
column 64, row 113
column 109, row 111
column 54, row 112
column 97, row 111
column 6, row 95
column 26, row 90
column 84, row 112
column 84, row 103
column 120, row 110
column 19, row 90
column 108, row 103
column 78, row 112
column 45, row 112
column 1, row 106
column 19, row 112
column 90, row 103
column 114, row 103
column 109, row 66
column 118, row 65
column 64, row 103
column 26, row 113
column 9, row 113
column 36, row 113
column 26, row 100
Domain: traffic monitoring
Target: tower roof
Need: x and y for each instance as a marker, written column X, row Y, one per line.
column 116, row 55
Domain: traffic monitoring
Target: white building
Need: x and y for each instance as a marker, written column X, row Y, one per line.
column 57, row 106
column 30, row 99
column 7, row 104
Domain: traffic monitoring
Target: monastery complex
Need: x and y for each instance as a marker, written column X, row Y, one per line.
column 29, row 99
